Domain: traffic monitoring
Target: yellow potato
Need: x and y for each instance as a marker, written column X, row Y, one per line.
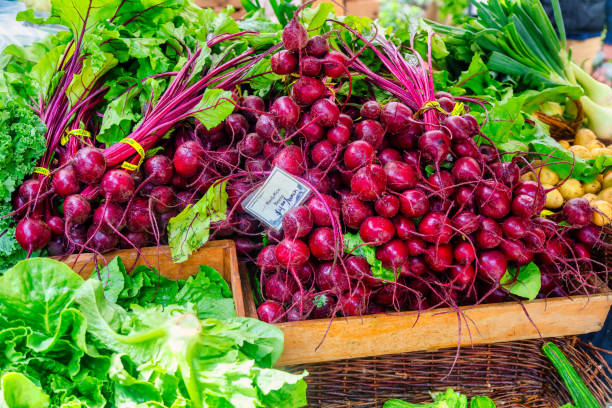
column 571, row 189
column 584, row 136
column 595, row 144
column 528, row 177
column 580, row 151
column 603, row 212
column 601, row 151
column 565, row 144
column 606, row 195
column 548, row 176
column 554, row 199
column 592, row 187
column 590, row 197
column 607, row 181
column 599, row 178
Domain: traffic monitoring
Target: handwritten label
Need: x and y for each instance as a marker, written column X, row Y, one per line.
column 280, row 193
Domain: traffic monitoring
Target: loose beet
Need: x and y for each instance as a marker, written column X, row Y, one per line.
column 188, row 158
column 252, row 106
column 320, row 214
column 163, row 199
column 251, row 145
column 357, row 154
column 284, row 62
column 297, row 222
column 466, row 169
column 32, row 235
column 414, row 203
column 578, row 212
column 324, row 306
column 514, row 228
column 320, row 179
column 109, row 216
column 338, row 135
column 400, row 176
column 159, row 170
column 462, row 275
column 65, row 182
column 489, row 235
column 439, row 257
column 459, row 127
column 464, row 253
column 317, row 46
column 118, row 185
column 466, row 222
column 322, row 244
column 358, row 268
column 330, row 276
column 334, row 64
column 266, row 259
column 393, row 254
column 404, row 227
column 436, row 228
column 294, row 35
column 354, row 212
column 56, row 225
column 285, row 111
column 389, row 155
column 291, row 253
column 325, row 112
column 387, row 206
column 236, row 125
column 76, row 209
column 101, row 240
column 396, row 117
column 376, row 230
column 279, row 286
column 370, row 110
column 138, row 216
column 290, row 159
column 306, row 90
column 322, row 154
column 310, row 129
column 492, row 265
column 266, row 128
column 370, row 131
column 369, row 182
column 89, row 164
column 271, row 312
column 352, row 304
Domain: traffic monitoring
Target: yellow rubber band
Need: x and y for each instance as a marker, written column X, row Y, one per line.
column 458, row 109
column 75, row 132
column 136, row 146
column 129, row 166
column 42, row 170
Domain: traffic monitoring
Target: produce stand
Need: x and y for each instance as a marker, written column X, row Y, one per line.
column 281, row 204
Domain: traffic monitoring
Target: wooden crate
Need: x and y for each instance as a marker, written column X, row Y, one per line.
column 221, row 255
column 380, row 334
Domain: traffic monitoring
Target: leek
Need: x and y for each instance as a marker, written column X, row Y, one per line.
column 522, row 42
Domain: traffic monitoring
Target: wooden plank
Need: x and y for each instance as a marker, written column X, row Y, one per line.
column 220, row 255
column 404, row 332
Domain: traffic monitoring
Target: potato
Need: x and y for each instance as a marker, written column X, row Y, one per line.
column 606, row 195
column 528, row 177
column 590, row 197
column 554, row 199
column 584, row 136
column 548, row 176
column 599, row 178
column 566, row 144
column 592, row 187
column 607, row 181
column 603, row 212
column 580, row 151
column 601, row 151
column 571, row 189
column 595, row 144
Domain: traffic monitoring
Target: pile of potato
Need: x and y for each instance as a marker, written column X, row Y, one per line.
column 586, row 145
column 598, row 192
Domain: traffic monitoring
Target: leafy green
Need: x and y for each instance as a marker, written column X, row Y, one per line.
column 354, row 245
column 22, row 143
column 527, row 284
column 64, row 343
column 214, row 107
column 446, row 399
column 190, row 229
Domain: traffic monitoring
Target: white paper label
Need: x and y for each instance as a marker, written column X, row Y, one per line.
column 280, row 193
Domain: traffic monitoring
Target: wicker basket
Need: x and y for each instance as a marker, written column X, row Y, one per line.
column 514, row 374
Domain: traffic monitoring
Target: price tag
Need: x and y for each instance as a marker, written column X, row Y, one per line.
column 280, row 193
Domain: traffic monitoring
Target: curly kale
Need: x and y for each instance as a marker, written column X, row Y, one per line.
column 22, row 143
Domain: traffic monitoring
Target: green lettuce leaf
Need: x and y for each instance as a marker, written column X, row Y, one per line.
column 354, row 245
column 17, row 391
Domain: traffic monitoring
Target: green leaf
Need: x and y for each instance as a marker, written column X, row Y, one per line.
column 210, row 294
column 282, row 390
column 17, row 391
column 314, row 18
column 190, row 229
column 37, row 291
column 526, row 285
column 214, row 107
column 354, row 245
column 80, row 15
column 113, row 277
column 482, row 402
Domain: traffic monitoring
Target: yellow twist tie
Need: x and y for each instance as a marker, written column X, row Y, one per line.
column 42, row 170
column 458, row 109
column 129, row 166
column 136, row 146
column 75, row 132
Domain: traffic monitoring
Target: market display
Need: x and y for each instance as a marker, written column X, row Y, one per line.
column 435, row 166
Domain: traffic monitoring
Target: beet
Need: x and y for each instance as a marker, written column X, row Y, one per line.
column 396, row 117
column 322, row 244
column 354, row 212
column 306, row 90
column 297, row 222
column 400, row 176
column 317, row 46
column 266, row 259
column 334, row 64
column 376, row 230
column 64, row 182
column 318, row 208
column 414, row 203
column 284, row 62
column 357, row 154
column 387, row 206
column 188, row 158
column 325, row 112
column 324, row 306
column 291, row 252
column 32, row 235
column 294, row 36
column 280, row 287
column 310, row 129
column 271, row 312
column 285, row 111
column 89, row 165
column 370, row 131
column 369, row 182
column 290, row 159
column 331, row 277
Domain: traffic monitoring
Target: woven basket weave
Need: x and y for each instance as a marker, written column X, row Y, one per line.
column 514, row 374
